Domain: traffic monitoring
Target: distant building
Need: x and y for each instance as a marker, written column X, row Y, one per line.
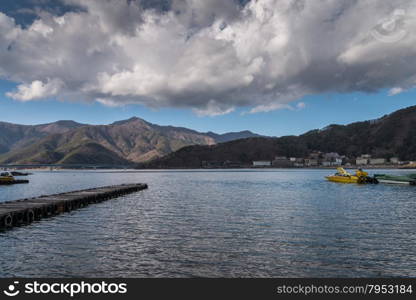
column 368, row 156
column 377, row 161
column 361, row 161
column 282, row 162
column 336, row 162
column 232, row 164
column 292, row 159
column 394, row 160
column 326, row 163
column 331, row 156
column 332, row 159
column 315, row 155
column 262, row 163
column 311, row 162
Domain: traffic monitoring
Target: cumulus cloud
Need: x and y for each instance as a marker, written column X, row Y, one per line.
column 36, row 90
column 211, row 56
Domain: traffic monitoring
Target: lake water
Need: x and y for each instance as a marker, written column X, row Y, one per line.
column 219, row 223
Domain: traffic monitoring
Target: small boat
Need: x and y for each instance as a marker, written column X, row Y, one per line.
column 7, row 178
column 393, row 179
column 343, row 176
column 17, row 173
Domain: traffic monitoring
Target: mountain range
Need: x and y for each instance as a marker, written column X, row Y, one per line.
column 136, row 141
column 121, row 143
column 388, row 136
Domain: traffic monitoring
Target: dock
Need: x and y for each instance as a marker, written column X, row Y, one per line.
column 16, row 181
column 25, row 211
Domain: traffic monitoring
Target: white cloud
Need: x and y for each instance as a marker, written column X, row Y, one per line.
column 36, row 90
column 40, row 27
column 396, row 91
column 211, row 56
column 107, row 102
column 212, row 108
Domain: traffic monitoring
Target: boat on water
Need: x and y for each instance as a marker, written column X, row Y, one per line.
column 360, row 176
column 394, row 179
column 7, row 178
column 17, row 173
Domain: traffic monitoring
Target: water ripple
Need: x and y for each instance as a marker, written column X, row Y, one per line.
column 283, row 223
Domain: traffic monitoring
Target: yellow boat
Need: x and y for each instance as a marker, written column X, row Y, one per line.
column 6, row 177
column 345, row 177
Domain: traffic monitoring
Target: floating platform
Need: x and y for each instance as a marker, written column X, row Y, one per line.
column 26, row 211
column 16, row 181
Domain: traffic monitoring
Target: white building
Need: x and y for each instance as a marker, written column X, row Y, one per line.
column 361, row 161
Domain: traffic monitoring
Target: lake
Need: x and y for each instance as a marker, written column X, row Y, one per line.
column 216, row 223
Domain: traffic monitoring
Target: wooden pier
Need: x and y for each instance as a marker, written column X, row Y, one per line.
column 25, row 211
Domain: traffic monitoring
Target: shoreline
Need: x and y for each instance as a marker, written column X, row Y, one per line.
column 132, row 170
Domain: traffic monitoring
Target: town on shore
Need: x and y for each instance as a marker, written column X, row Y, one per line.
column 319, row 159
column 316, row 159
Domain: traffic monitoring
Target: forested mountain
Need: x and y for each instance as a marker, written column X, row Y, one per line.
column 391, row 135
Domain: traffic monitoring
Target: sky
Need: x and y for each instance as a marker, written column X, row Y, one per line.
column 275, row 67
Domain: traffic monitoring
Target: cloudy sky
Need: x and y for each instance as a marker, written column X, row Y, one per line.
column 272, row 66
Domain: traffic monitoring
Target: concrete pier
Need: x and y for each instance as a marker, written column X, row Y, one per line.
column 25, row 211
column 16, row 181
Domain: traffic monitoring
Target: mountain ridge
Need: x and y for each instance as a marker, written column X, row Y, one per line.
column 389, row 136
column 122, row 142
column 136, row 141
column 230, row 136
column 14, row 136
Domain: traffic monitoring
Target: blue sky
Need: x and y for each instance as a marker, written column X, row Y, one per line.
column 207, row 65
column 319, row 111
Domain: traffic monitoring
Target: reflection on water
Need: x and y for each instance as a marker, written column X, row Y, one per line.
column 270, row 223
